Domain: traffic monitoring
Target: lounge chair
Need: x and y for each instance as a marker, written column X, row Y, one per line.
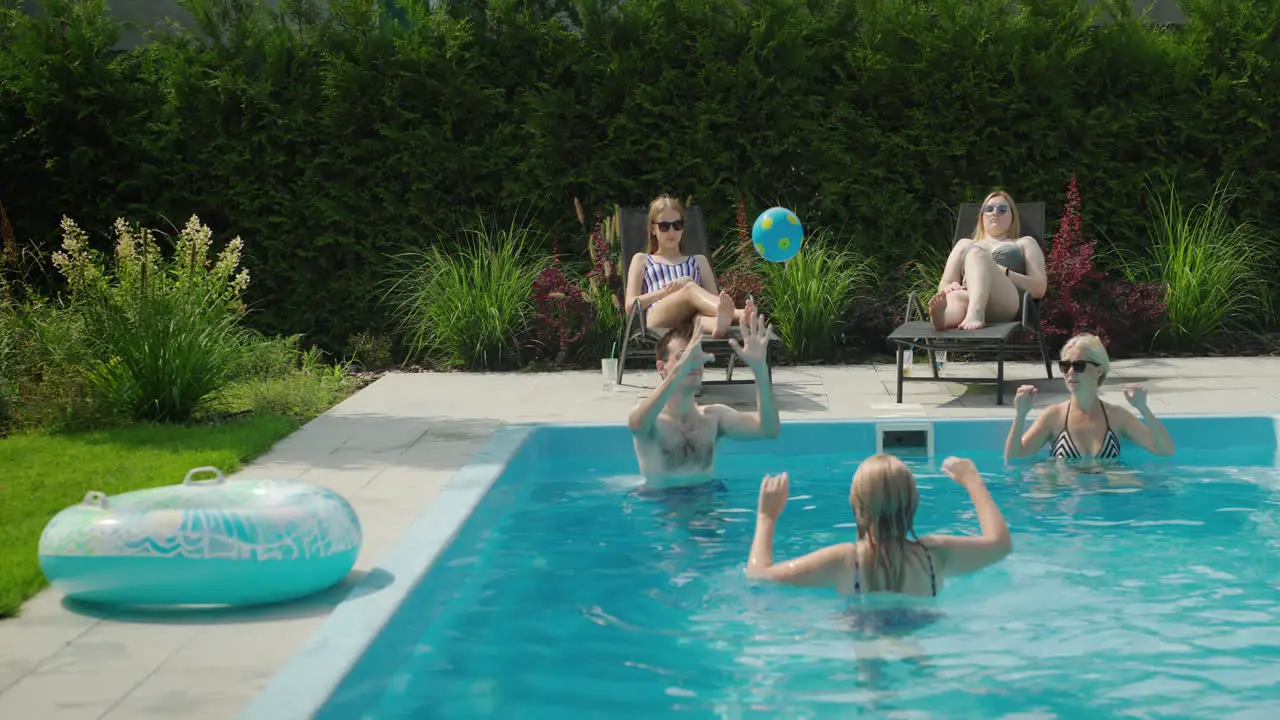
column 639, row 340
column 916, row 333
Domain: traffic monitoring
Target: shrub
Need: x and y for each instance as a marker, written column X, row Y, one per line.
column 1215, row 270
column 564, row 311
column 370, row 350
column 468, row 307
column 164, row 335
column 1081, row 298
column 808, row 298
column 742, row 277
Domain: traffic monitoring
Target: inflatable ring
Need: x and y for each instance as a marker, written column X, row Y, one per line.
column 204, row 542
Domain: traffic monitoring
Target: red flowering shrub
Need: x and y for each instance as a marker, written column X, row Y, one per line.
column 1081, row 298
column 742, row 279
column 564, row 312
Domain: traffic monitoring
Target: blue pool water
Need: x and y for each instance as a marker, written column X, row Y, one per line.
column 1148, row 592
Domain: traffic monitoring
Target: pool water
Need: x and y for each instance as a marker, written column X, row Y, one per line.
column 1145, row 592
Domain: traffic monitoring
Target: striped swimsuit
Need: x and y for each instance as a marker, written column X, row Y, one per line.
column 658, row 275
column 1065, row 448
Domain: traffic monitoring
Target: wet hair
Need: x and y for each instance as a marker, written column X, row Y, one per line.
column 682, row 332
column 1093, row 349
column 660, row 203
column 884, row 500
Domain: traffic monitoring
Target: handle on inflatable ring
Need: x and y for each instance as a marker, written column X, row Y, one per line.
column 217, row 479
column 95, row 497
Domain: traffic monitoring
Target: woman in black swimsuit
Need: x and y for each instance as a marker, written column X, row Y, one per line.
column 887, row 556
column 1084, row 427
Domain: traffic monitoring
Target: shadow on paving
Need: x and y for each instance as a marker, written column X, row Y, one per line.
column 358, row 583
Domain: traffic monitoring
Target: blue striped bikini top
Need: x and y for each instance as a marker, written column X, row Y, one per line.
column 658, row 275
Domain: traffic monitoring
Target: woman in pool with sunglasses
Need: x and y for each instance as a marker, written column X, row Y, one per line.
column 674, row 287
column 986, row 274
column 1084, row 427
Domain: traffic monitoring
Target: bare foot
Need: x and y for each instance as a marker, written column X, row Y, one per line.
column 970, row 324
column 724, row 316
column 938, row 311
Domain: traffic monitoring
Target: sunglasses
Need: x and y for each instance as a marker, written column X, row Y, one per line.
column 998, row 209
column 1077, row 365
column 676, row 225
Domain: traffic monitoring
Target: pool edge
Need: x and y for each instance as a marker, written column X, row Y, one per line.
column 302, row 687
column 307, row 681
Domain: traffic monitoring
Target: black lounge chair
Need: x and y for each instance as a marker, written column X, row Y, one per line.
column 639, row 340
column 917, row 333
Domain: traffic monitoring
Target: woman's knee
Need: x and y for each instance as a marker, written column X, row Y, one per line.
column 975, row 256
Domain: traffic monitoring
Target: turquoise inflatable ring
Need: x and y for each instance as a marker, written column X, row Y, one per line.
column 203, row 542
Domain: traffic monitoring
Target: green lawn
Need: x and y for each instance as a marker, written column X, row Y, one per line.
column 42, row 473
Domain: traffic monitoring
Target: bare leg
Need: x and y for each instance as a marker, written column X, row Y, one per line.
column 990, row 292
column 676, row 308
column 947, row 310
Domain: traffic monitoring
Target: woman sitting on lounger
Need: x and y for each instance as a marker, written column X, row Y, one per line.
column 1083, row 427
column 986, row 274
column 671, row 286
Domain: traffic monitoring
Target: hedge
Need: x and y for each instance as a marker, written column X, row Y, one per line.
column 330, row 140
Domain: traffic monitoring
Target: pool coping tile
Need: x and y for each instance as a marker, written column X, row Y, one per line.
column 303, row 686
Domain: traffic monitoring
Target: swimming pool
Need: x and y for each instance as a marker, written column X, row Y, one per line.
column 1149, row 592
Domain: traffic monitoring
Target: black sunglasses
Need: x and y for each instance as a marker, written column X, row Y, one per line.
column 673, row 225
column 1000, row 209
column 1077, row 365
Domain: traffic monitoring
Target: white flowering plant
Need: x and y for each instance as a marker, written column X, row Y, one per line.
column 164, row 328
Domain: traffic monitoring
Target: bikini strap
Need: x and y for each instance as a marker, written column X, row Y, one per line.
column 1106, row 418
column 933, row 582
column 857, row 581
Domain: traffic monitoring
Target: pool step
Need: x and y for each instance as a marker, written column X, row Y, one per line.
column 905, row 438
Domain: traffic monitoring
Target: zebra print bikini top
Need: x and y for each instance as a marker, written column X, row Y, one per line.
column 1064, row 447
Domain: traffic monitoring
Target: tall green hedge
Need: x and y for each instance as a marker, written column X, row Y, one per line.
column 330, row 140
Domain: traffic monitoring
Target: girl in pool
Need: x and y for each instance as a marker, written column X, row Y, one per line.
column 1083, row 426
column 887, row 556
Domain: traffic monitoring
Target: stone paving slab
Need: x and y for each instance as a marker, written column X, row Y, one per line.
column 392, row 446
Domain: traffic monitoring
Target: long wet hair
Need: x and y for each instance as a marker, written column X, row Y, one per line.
column 884, row 500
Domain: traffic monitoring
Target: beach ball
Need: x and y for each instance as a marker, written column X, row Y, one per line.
column 777, row 234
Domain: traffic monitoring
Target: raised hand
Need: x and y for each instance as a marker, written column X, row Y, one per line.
column 1024, row 399
column 773, row 495
column 961, row 470
column 753, row 348
column 694, row 356
column 1136, row 394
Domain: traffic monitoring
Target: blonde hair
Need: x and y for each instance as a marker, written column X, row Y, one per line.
column 1015, row 227
column 1093, row 349
column 884, row 500
column 660, row 203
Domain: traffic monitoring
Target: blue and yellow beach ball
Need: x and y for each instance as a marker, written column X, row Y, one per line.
column 777, row 234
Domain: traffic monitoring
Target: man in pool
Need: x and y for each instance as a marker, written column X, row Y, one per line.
column 675, row 437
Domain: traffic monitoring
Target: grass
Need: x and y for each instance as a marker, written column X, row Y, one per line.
column 810, row 296
column 41, row 473
column 464, row 302
column 1215, row 269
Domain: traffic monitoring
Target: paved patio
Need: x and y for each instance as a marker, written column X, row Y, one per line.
column 391, row 447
